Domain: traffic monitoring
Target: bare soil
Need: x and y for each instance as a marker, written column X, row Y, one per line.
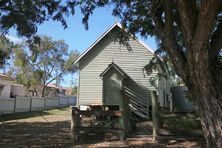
column 53, row 130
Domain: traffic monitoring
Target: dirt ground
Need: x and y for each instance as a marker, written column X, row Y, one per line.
column 53, row 130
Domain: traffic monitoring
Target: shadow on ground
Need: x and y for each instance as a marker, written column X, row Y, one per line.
column 53, row 130
column 38, row 134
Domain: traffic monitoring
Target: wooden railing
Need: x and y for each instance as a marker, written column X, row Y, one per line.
column 159, row 116
column 136, row 103
column 77, row 127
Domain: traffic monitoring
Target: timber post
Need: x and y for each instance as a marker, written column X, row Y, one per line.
column 44, row 102
column 75, row 123
column 127, row 114
column 15, row 104
column 155, row 115
column 30, row 105
column 123, row 118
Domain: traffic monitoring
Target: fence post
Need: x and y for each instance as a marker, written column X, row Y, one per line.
column 59, row 102
column 171, row 102
column 155, row 114
column 15, row 105
column 75, row 123
column 44, row 102
column 30, row 104
column 68, row 101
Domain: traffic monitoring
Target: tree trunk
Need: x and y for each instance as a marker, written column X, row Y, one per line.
column 210, row 113
column 43, row 91
column 192, row 64
column 207, row 97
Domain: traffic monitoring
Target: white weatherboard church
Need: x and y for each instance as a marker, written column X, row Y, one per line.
column 107, row 67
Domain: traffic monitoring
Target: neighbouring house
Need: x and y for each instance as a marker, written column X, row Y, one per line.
column 54, row 90
column 108, row 68
column 9, row 89
column 51, row 90
column 66, row 91
column 18, row 90
column 5, row 85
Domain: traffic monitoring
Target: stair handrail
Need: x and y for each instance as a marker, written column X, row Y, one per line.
column 135, row 96
column 136, row 101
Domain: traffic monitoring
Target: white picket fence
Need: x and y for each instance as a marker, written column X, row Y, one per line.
column 25, row 104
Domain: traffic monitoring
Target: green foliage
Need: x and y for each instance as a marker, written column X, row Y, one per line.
column 134, row 14
column 21, row 57
column 5, row 50
column 25, row 15
column 69, row 63
column 165, row 70
column 47, row 64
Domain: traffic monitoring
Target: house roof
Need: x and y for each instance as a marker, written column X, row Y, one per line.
column 52, row 86
column 116, row 24
column 116, row 67
column 6, row 77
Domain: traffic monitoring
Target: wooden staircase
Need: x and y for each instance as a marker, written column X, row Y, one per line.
column 137, row 105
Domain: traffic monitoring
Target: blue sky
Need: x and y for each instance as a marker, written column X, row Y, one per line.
column 77, row 37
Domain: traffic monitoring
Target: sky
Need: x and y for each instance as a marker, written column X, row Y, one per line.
column 77, row 37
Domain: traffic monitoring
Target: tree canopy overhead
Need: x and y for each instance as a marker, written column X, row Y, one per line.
column 25, row 15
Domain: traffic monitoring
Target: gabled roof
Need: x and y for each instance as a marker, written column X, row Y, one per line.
column 102, row 36
column 116, row 67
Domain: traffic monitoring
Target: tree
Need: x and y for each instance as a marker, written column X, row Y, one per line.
column 26, row 15
column 69, row 66
column 190, row 33
column 48, row 64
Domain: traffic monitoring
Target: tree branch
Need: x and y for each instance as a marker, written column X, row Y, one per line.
column 53, row 66
column 156, row 16
column 216, row 43
column 54, row 78
column 34, row 65
column 170, row 42
column 205, row 24
column 188, row 19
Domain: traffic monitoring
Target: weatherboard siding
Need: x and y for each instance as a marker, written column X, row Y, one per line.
column 97, row 60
